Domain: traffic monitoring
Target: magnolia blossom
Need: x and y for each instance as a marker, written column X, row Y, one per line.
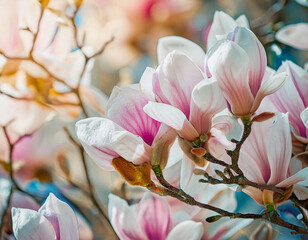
column 266, row 158
column 293, row 98
column 54, row 220
column 238, row 62
column 151, row 218
column 126, row 131
column 294, row 35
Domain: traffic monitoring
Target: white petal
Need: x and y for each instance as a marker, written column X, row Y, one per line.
column 268, row 87
column 172, row 117
column 146, row 83
column 93, row 134
column 168, row 44
column 131, row 147
column 222, row 25
column 242, row 21
column 31, row 225
column 279, row 154
column 304, row 117
column 294, row 35
column 186, row 230
column 61, row 214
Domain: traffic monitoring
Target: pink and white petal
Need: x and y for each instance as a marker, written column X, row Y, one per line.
column 125, row 107
column 172, row 117
column 123, row 219
column 168, row 44
column 206, row 101
column 131, row 147
column 229, row 126
column 177, row 76
column 186, row 230
column 31, row 225
column 268, row 87
column 146, row 83
column 222, row 24
column 304, row 117
column 279, row 149
column 61, row 216
column 232, row 77
column 256, row 53
column 251, row 168
column 154, row 216
column 299, row 178
column 294, row 35
column 299, row 76
column 93, row 134
column 301, row 192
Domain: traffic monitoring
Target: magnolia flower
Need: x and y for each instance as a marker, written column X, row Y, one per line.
column 185, row 99
column 294, row 35
column 293, row 98
column 239, row 63
column 126, row 131
column 54, row 220
column 151, row 218
column 222, row 25
column 265, row 158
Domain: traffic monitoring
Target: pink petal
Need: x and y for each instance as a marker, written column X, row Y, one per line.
column 232, row 77
column 168, row 44
column 62, row 217
column 177, row 77
column 130, row 147
column 290, row 98
column 93, row 134
column 154, row 216
column 206, row 101
column 294, row 35
column 125, row 107
column 255, row 148
column 31, row 225
column 256, row 53
column 279, row 149
column 218, row 143
column 124, row 219
column 186, row 230
column 172, row 117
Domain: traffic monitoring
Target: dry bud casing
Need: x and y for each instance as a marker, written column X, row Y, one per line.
column 139, row 175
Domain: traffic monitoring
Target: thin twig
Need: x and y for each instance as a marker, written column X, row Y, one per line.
column 90, row 185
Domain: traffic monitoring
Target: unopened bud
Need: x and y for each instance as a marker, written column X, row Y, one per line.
column 213, row 218
column 263, row 117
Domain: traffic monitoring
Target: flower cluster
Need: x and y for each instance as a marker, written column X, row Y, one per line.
column 198, row 134
column 236, row 119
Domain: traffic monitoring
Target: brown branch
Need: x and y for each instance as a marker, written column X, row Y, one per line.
column 179, row 194
column 5, row 211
